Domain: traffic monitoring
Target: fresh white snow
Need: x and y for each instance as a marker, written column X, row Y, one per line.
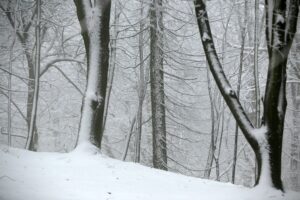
column 85, row 174
column 260, row 135
column 205, row 37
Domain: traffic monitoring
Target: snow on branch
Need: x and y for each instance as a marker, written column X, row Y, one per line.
column 223, row 84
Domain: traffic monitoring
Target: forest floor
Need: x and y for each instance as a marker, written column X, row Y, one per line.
column 85, row 174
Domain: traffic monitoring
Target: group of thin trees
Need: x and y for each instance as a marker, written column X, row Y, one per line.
column 100, row 25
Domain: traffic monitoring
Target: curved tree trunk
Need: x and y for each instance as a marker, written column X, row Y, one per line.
column 266, row 142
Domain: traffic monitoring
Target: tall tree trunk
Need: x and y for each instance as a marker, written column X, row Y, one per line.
column 256, row 77
column 142, row 89
column 94, row 19
column 33, row 138
column 157, row 86
column 112, row 62
column 281, row 27
column 266, row 141
column 9, row 128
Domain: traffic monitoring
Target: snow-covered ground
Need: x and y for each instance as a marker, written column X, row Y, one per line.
column 85, row 174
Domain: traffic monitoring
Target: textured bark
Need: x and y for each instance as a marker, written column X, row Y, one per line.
column 157, row 86
column 96, row 41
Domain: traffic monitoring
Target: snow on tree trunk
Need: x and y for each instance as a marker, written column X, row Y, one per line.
column 282, row 31
column 267, row 140
column 157, row 86
column 94, row 19
column 32, row 133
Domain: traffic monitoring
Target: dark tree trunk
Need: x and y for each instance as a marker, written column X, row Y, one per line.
column 94, row 21
column 157, row 86
column 280, row 31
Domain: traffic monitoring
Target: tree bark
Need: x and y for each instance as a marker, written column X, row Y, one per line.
column 112, row 64
column 32, row 134
column 157, row 86
column 280, row 31
column 94, row 19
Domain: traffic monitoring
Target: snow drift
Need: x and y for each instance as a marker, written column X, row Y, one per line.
column 85, row 174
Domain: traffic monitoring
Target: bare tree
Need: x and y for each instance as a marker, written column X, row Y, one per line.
column 243, row 36
column 266, row 142
column 23, row 31
column 32, row 143
column 157, row 86
column 94, row 19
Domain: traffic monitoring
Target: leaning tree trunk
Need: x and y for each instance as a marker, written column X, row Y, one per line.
column 266, row 141
column 157, row 86
column 94, row 19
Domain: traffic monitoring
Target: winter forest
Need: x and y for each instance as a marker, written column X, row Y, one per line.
column 99, row 98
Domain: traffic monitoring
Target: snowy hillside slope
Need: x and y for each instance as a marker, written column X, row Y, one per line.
column 85, row 174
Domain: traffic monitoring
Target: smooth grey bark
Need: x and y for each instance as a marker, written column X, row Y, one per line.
column 157, row 86
column 280, row 34
column 96, row 41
